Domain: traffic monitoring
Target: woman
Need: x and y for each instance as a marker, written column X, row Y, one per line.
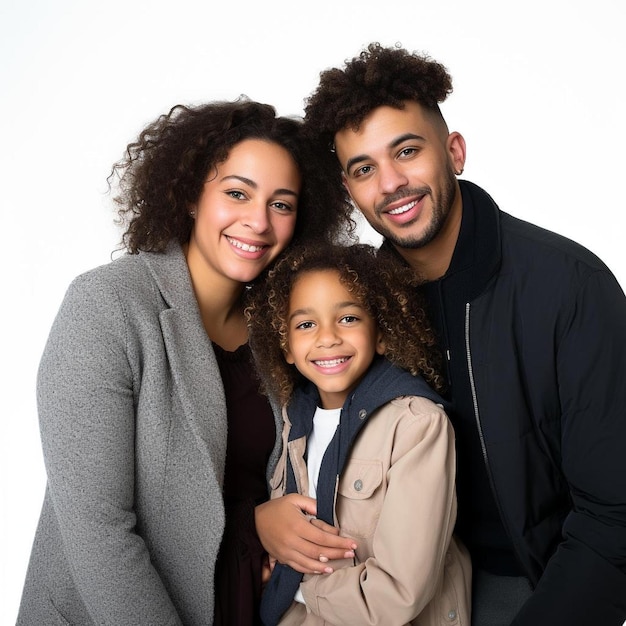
column 146, row 370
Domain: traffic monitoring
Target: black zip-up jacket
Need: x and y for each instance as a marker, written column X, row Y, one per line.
column 545, row 360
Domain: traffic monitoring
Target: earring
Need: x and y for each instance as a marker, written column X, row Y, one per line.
column 459, row 172
column 192, row 213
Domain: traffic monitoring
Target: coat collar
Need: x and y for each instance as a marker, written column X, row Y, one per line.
column 193, row 366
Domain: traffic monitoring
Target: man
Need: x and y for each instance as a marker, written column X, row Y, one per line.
column 533, row 328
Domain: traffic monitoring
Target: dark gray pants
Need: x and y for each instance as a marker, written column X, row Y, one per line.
column 497, row 599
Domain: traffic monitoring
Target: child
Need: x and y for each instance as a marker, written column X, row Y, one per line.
column 342, row 344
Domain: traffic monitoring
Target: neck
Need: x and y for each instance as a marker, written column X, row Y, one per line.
column 220, row 304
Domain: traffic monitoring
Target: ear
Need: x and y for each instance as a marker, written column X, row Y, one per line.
column 455, row 146
column 380, row 344
column 344, row 181
column 289, row 357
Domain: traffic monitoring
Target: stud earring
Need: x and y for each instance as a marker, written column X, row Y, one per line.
column 192, row 213
column 459, row 172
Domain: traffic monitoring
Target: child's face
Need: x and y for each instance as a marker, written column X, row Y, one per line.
column 331, row 337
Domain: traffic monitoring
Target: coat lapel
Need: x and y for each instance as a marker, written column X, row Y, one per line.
column 194, row 369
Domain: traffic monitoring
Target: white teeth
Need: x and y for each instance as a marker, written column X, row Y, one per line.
column 244, row 246
column 330, row 362
column 403, row 209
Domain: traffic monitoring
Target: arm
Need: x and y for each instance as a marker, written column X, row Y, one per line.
column 585, row 580
column 87, row 420
column 410, row 540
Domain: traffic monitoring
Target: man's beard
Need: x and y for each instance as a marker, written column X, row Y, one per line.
column 441, row 210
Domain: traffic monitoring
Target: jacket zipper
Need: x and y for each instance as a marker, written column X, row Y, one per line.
column 468, row 354
column 470, row 369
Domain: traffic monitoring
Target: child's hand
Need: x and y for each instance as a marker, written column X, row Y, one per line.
column 290, row 533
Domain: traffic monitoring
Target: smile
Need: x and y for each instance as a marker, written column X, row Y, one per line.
column 403, row 209
column 246, row 247
column 331, row 362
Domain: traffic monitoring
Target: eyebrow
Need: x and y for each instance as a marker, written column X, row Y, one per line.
column 340, row 305
column 396, row 142
column 251, row 183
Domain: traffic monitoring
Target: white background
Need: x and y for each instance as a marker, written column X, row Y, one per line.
column 538, row 95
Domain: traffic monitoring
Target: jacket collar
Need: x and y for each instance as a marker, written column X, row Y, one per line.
column 477, row 254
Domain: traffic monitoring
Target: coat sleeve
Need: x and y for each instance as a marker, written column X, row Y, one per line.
column 411, row 537
column 87, row 420
column 585, row 581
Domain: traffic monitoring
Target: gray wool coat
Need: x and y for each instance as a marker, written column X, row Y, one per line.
column 133, row 425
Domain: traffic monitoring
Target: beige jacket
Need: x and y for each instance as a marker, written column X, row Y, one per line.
column 396, row 497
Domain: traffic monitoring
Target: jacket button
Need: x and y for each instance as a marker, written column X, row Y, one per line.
column 362, row 414
column 358, row 485
column 452, row 614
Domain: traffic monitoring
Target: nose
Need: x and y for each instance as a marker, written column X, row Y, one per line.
column 391, row 177
column 257, row 217
column 327, row 336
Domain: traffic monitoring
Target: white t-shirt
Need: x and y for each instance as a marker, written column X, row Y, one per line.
column 325, row 422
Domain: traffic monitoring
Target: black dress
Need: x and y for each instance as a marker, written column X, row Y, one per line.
column 251, row 437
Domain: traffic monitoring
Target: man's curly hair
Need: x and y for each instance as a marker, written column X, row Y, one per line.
column 377, row 77
column 383, row 286
column 163, row 172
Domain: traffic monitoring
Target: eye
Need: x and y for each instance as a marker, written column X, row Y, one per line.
column 364, row 170
column 408, row 152
column 236, row 194
column 305, row 325
column 349, row 319
column 283, row 207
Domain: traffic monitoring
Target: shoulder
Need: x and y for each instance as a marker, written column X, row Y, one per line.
column 410, row 409
column 531, row 246
column 127, row 270
column 135, row 281
column 518, row 232
column 412, row 419
column 110, row 298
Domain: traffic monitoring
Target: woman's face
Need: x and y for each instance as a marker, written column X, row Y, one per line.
column 246, row 213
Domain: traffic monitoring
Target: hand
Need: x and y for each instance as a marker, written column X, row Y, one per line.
column 290, row 534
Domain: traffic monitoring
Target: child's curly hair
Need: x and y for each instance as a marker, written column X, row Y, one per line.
column 381, row 284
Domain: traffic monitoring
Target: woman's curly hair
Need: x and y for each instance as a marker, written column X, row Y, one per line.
column 379, row 76
column 383, row 286
column 163, row 172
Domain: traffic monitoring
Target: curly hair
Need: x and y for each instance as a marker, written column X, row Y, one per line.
column 163, row 171
column 378, row 77
column 383, row 286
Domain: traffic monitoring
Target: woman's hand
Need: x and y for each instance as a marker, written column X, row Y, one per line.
column 290, row 533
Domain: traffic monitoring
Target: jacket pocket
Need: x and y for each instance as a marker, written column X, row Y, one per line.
column 360, row 497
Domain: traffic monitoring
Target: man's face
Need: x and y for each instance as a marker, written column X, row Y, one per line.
column 399, row 168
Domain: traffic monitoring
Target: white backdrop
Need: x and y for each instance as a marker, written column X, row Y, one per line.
column 539, row 96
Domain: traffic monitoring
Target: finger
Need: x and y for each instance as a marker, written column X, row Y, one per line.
column 304, row 503
column 324, row 539
column 322, row 525
column 322, row 553
column 308, row 566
